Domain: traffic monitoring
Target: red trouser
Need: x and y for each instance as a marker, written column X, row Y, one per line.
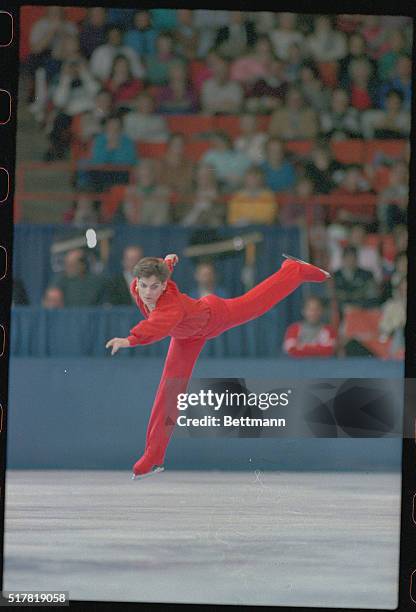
column 182, row 354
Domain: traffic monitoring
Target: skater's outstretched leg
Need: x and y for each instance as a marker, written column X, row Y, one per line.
column 180, row 361
column 271, row 291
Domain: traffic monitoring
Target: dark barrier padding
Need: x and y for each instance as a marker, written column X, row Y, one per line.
column 92, row 414
column 72, row 332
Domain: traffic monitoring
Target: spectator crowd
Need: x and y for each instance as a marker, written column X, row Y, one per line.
column 273, row 98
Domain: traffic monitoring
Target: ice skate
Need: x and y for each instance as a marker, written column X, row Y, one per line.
column 314, row 274
column 155, row 470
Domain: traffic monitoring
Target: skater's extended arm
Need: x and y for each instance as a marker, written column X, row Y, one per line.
column 160, row 322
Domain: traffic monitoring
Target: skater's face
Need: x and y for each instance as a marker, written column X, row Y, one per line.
column 150, row 289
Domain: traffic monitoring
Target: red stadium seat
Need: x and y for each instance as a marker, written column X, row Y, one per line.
column 111, row 200
column 263, row 122
column 388, row 247
column 300, row 147
column 381, row 178
column 362, row 324
column 151, row 149
column 229, row 124
column 328, row 72
column 196, row 149
column 75, row 13
column 190, row 124
column 349, row 151
column 394, row 149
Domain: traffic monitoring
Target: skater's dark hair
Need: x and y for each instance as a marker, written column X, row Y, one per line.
column 152, row 266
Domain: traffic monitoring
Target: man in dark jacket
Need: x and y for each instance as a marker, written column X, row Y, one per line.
column 353, row 285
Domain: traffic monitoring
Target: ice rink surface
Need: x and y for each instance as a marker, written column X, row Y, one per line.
column 261, row 538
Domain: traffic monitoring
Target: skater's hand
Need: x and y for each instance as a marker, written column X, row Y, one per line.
column 117, row 343
column 173, row 257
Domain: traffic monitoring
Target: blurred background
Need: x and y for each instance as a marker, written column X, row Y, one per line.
column 227, row 137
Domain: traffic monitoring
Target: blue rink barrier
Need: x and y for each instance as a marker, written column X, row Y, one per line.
column 92, row 413
column 83, row 332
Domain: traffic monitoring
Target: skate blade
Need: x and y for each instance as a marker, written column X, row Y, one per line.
column 156, row 470
column 327, row 274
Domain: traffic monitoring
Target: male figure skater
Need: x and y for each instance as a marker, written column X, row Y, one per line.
column 190, row 323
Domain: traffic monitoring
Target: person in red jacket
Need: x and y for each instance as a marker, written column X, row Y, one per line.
column 310, row 337
column 190, row 323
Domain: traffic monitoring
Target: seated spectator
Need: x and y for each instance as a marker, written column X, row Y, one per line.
column 92, row 32
column 53, row 298
column 234, row 39
column 368, row 255
column 353, row 285
column 19, row 293
column 45, row 37
column 47, row 77
column 374, row 35
column 294, row 121
column 178, row 96
column 294, row 63
column 394, row 122
column 268, row 92
column 286, row 34
column 147, row 201
column 79, row 286
column 341, row 121
column 314, row 93
column 164, row 20
column 175, row 170
column 348, row 23
column 93, row 122
column 326, row 44
column 254, row 203
column 206, row 282
column 255, row 65
column 353, row 182
column 399, row 272
column 102, row 58
column 143, row 123
column 202, row 71
column 387, row 63
column 393, row 320
column 323, row 169
column 219, row 94
column 142, row 36
column 73, row 94
column 279, row 172
column 208, row 22
column 264, row 21
column 205, row 207
column 357, row 49
column 393, row 200
column 230, row 165
column 158, row 64
column 310, row 337
column 362, row 87
column 401, row 82
column 122, row 85
column 121, row 18
column 297, row 209
column 112, row 148
column 117, row 291
column 84, row 212
column 251, row 142
column 186, row 35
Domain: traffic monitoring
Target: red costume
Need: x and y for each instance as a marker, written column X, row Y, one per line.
column 190, row 323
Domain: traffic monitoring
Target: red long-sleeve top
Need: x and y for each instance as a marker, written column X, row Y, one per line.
column 175, row 314
column 323, row 345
